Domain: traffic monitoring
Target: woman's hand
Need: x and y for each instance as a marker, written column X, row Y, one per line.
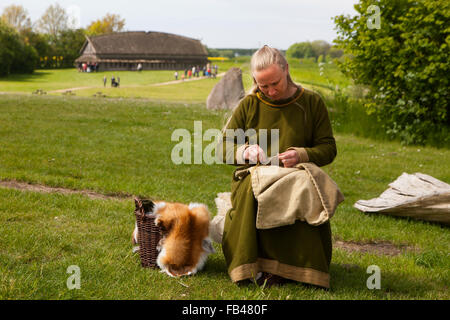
column 254, row 153
column 289, row 158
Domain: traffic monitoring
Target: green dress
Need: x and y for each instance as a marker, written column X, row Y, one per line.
column 299, row 252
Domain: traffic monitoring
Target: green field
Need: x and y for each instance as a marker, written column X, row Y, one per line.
column 142, row 84
column 121, row 145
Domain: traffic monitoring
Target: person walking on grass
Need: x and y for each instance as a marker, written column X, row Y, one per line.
column 298, row 252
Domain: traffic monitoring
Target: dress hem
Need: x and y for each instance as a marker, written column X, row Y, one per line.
column 300, row 274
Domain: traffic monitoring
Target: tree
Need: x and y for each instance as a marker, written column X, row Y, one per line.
column 108, row 24
column 15, row 55
column 16, row 17
column 335, row 52
column 403, row 60
column 38, row 41
column 320, row 48
column 53, row 21
column 68, row 46
column 300, row 50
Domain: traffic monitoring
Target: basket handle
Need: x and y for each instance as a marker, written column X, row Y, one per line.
column 139, row 206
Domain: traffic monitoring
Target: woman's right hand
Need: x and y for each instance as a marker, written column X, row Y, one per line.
column 255, row 154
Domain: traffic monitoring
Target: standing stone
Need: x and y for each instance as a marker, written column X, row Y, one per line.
column 227, row 93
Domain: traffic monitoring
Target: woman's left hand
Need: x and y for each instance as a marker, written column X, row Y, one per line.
column 289, row 158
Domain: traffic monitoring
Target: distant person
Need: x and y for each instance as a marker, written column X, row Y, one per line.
column 176, row 75
column 118, row 81
column 113, row 81
column 104, row 81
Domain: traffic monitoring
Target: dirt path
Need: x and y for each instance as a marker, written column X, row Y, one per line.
column 374, row 247
column 69, row 89
column 24, row 186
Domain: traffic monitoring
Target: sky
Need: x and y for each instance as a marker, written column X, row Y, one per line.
column 217, row 23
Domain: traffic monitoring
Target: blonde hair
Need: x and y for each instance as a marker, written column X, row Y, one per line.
column 262, row 59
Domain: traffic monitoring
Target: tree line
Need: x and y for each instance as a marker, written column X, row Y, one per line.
column 230, row 52
column 320, row 50
column 52, row 41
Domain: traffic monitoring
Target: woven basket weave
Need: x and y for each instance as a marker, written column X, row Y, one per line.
column 148, row 233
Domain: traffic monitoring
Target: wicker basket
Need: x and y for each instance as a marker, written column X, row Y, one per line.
column 148, row 233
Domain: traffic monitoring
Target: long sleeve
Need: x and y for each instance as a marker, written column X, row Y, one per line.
column 323, row 150
column 234, row 139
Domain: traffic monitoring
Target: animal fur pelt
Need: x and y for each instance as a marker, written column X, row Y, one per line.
column 185, row 245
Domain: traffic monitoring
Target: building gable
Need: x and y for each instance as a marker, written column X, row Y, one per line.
column 89, row 49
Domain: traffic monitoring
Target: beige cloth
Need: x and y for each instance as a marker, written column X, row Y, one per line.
column 284, row 195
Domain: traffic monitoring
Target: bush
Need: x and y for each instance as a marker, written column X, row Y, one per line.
column 15, row 55
column 404, row 63
column 7, row 44
column 300, row 50
column 25, row 61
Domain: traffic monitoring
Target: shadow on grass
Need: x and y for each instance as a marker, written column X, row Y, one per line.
column 411, row 219
column 215, row 265
column 35, row 76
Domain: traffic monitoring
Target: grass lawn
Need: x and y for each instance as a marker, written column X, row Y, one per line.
column 183, row 92
column 58, row 79
column 141, row 84
column 123, row 146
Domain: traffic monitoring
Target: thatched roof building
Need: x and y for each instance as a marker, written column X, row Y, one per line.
column 150, row 50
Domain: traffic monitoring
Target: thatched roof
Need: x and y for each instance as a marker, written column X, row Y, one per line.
column 141, row 45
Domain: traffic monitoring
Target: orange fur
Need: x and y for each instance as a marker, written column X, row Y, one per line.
column 185, row 228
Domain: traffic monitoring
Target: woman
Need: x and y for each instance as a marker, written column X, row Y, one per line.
column 298, row 252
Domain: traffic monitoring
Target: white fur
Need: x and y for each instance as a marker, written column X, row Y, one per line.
column 207, row 250
column 135, row 233
column 161, row 265
column 158, row 206
column 193, row 205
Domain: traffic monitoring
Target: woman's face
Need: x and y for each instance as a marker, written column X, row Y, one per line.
column 272, row 82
